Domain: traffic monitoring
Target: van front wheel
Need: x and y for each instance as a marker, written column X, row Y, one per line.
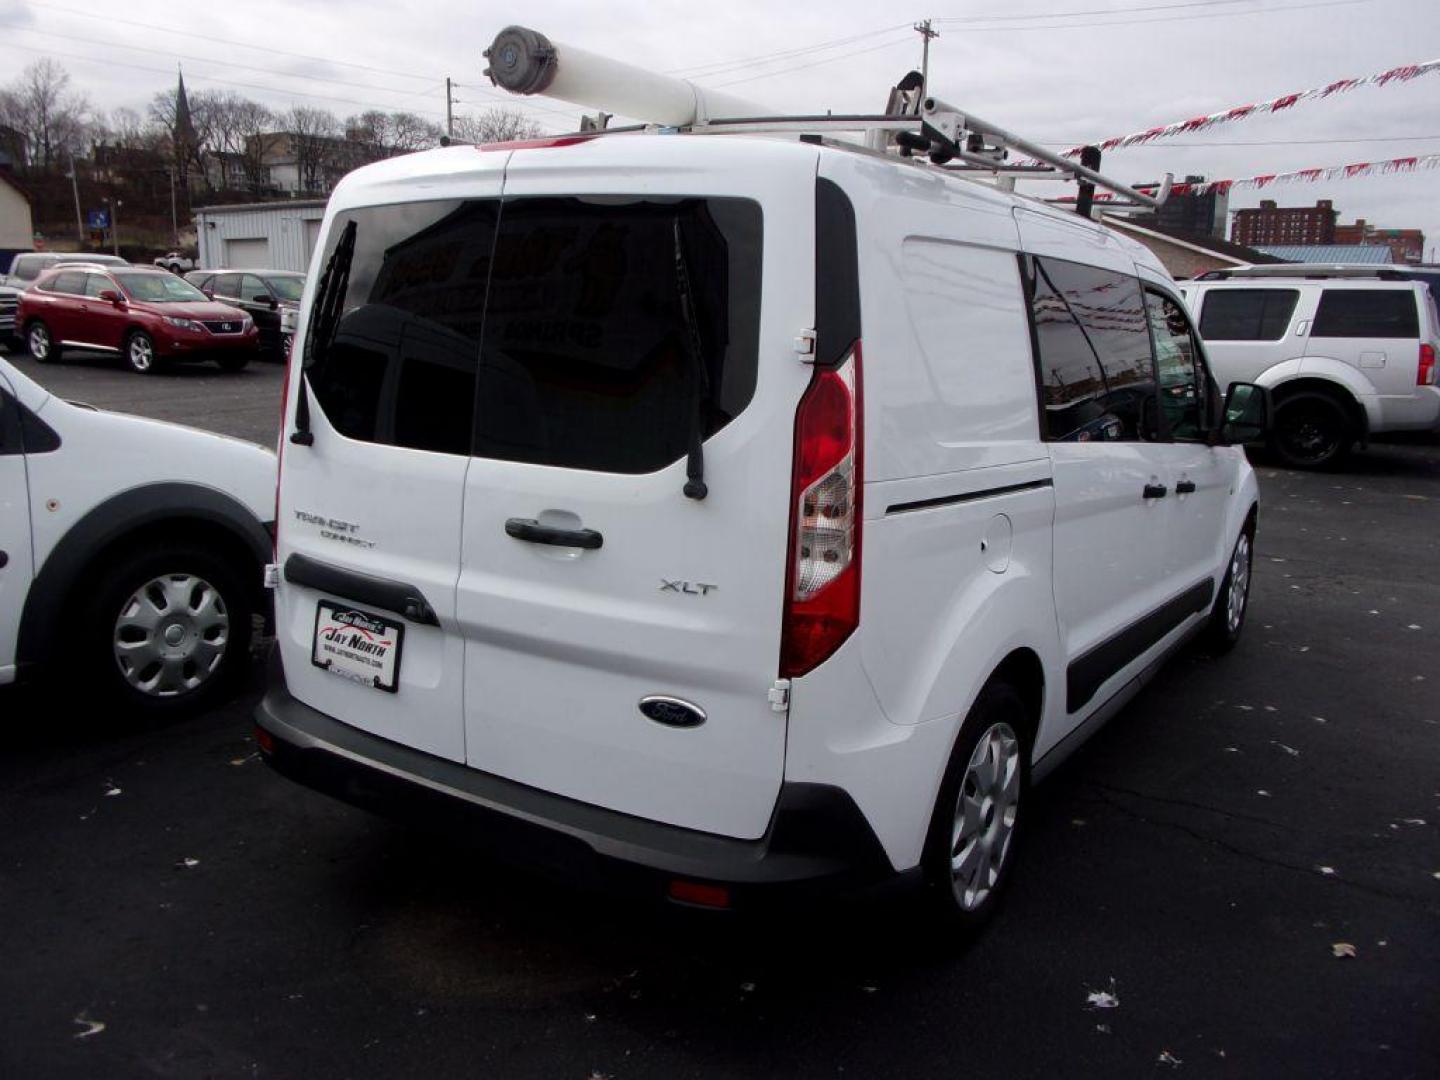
column 976, row 825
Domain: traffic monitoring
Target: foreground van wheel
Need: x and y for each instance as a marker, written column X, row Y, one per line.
column 977, row 819
column 166, row 631
column 1227, row 617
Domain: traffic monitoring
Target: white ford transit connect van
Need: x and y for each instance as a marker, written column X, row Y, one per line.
column 703, row 515
column 1346, row 357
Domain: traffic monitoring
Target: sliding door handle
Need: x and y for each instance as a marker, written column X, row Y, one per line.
column 1155, row 491
column 1185, row 487
column 532, row 531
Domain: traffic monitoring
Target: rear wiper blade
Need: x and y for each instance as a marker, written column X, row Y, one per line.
column 695, row 461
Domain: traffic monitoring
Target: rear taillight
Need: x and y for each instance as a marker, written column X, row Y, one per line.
column 1426, row 375
column 822, row 580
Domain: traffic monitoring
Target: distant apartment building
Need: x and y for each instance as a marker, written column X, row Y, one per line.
column 1268, row 224
column 1406, row 245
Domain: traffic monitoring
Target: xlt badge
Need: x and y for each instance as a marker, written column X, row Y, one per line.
column 693, row 588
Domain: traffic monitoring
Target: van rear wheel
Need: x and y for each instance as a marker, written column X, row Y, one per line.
column 1311, row 431
column 978, row 815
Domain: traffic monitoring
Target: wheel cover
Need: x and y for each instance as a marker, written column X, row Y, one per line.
column 142, row 353
column 171, row 635
column 39, row 342
column 1239, row 592
column 985, row 814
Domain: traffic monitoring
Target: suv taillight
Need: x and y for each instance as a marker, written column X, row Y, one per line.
column 1426, row 375
column 822, row 579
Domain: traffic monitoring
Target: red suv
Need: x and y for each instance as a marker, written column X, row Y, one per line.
column 147, row 316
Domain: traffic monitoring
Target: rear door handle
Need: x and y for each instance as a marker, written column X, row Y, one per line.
column 531, row 530
column 1155, row 491
column 1185, row 487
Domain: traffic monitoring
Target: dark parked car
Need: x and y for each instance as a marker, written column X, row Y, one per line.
column 148, row 316
column 270, row 297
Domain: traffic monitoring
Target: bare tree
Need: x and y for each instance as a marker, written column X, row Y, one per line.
column 409, row 132
column 127, row 129
column 254, row 124
column 374, row 134
column 315, row 139
column 187, row 155
column 495, row 125
column 53, row 121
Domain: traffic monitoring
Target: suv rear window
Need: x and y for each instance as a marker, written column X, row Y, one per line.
column 549, row 331
column 28, row 268
column 1367, row 313
column 1247, row 314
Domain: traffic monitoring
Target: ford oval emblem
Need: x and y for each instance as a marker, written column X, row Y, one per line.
column 672, row 711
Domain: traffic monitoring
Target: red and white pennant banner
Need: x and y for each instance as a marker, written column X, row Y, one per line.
column 1329, row 172
column 1243, row 112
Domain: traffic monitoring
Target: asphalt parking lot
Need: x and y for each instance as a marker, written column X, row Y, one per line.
column 1200, row 861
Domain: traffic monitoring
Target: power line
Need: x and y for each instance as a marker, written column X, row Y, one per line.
column 815, row 63
column 1097, row 11
column 722, row 67
column 110, row 19
column 222, row 63
column 1163, row 19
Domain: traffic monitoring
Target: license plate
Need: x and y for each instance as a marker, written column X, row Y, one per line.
column 357, row 645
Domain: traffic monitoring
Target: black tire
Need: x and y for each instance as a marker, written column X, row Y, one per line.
column 43, row 348
column 998, row 711
column 233, row 361
column 140, row 354
column 200, row 589
column 1312, row 431
column 1226, row 622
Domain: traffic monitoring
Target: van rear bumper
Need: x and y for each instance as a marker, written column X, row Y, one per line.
column 817, row 841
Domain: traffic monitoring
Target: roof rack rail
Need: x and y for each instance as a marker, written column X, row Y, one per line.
column 1380, row 271
column 526, row 62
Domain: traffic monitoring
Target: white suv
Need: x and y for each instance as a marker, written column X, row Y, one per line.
column 1346, row 357
column 130, row 552
column 601, row 531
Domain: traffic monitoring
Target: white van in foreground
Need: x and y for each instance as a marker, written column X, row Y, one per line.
column 712, row 514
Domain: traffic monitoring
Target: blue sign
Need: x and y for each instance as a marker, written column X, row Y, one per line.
column 98, row 219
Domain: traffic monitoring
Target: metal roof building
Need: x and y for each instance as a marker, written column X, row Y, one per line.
column 259, row 236
column 1366, row 254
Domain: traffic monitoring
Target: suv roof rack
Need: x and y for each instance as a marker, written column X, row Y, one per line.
column 915, row 124
column 1312, row 270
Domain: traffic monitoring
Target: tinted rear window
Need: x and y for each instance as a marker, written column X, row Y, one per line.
column 28, row 269
column 1367, row 313
column 1247, row 314
column 579, row 358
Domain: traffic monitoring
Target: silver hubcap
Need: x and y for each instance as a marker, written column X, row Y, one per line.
column 142, row 353
column 39, row 343
column 1239, row 584
column 171, row 635
column 985, row 816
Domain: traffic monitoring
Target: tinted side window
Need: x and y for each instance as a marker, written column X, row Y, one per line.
column 28, row 269
column 1247, row 314
column 95, row 284
column 1177, row 363
column 1366, row 313
column 71, row 281
column 252, row 288
column 1096, row 371
column 10, row 442
column 225, row 285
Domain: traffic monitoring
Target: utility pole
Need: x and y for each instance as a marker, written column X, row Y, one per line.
column 925, row 30
column 174, row 218
column 449, row 110
column 75, row 187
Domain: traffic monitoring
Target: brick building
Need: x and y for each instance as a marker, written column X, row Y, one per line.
column 1191, row 213
column 1406, row 245
column 1271, row 224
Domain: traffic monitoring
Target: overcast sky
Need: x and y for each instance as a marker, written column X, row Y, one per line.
column 1054, row 70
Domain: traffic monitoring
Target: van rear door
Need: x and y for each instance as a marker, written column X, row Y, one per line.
column 369, row 517
column 622, row 637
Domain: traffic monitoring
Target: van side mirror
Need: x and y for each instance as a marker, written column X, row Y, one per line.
column 1246, row 414
column 111, row 296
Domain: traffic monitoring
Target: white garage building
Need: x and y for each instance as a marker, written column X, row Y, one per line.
column 259, row 236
